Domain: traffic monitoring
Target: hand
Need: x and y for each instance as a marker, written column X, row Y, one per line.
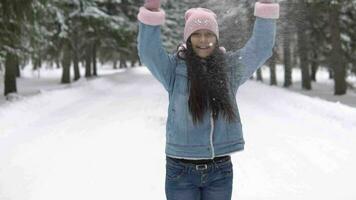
column 265, row 1
column 152, row 5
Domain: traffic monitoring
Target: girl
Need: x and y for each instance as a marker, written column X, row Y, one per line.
column 203, row 126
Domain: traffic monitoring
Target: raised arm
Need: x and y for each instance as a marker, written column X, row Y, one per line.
column 259, row 47
column 150, row 49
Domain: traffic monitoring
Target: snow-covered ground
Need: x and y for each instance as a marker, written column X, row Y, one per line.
column 104, row 139
column 46, row 79
column 323, row 88
column 33, row 83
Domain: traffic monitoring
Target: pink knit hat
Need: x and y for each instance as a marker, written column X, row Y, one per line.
column 200, row 18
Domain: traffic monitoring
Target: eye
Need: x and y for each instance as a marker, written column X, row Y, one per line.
column 210, row 34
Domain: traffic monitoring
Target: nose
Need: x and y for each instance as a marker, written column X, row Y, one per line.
column 202, row 38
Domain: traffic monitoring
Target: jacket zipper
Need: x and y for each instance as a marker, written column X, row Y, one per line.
column 211, row 134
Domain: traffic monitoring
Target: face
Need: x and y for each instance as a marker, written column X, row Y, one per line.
column 203, row 42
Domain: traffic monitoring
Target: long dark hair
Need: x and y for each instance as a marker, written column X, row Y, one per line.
column 207, row 83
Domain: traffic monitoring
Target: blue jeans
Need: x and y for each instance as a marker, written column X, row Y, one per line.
column 185, row 181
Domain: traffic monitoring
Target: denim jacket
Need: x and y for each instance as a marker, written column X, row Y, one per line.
column 211, row 138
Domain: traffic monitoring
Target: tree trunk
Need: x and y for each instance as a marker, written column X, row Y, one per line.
column 58, row 64
column 314, row 67
column 115, row 64
column 336, row 58
column 287, row 61
column 133, row 63
column 76, row 50
column 36, row 63
column 294, row 57
column 18, row 71
column 304, row 65
column 66, row 62
column 122, row 63
column 331, row 73
column 302, row 47
column 76, row 58
column 76, row 66
column 259, row 75
column 10, row 73
column 94, row 60
column 353, row 68
column 88, row 62
column 272, row 67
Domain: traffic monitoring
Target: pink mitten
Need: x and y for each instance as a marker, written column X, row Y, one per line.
column 152, row 4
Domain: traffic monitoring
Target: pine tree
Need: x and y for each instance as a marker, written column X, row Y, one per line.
column 16, row 16
column 173, row 28
column 337, row 59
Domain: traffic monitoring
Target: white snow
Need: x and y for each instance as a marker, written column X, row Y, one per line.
column 323, row 87
column 104, row 139
column 46, row 79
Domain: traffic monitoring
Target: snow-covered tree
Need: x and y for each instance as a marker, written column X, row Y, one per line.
column 16, row 22
column 173, row 28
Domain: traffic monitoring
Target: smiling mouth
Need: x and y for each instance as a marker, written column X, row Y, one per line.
column 206, row 46
column 203, row 47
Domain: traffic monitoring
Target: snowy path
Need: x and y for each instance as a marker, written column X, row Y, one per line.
column 105, row 140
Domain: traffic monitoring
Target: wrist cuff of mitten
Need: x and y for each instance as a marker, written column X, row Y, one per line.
column 267, row 10
column 151, row 17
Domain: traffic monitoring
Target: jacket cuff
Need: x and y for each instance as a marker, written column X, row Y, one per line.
column 150, row 17
column 267, row 10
